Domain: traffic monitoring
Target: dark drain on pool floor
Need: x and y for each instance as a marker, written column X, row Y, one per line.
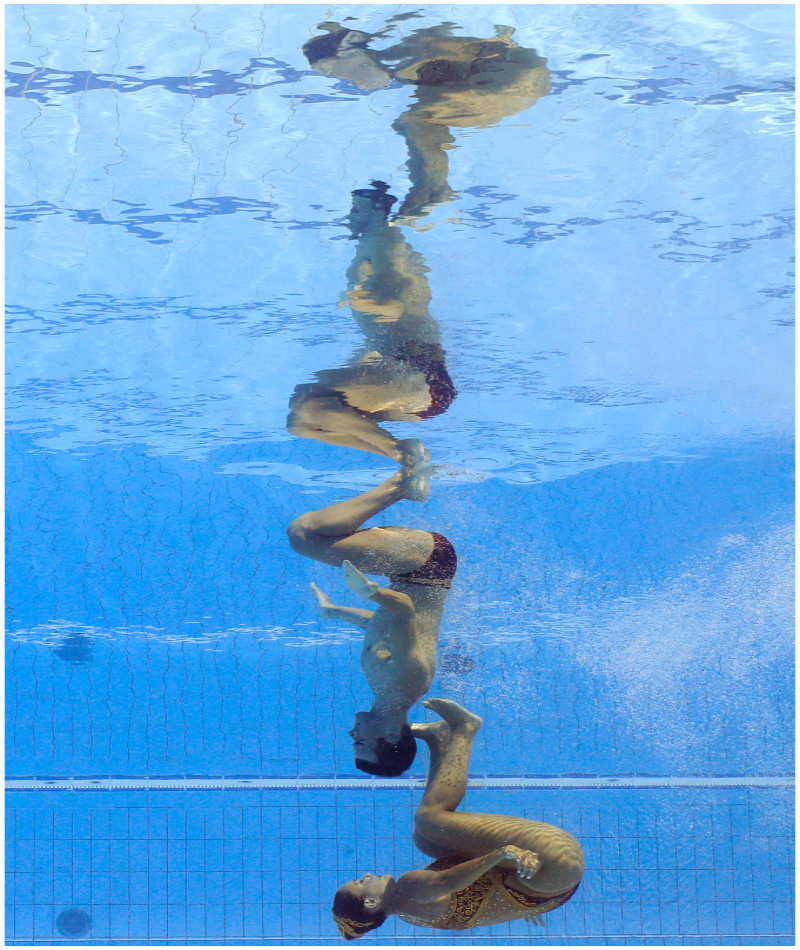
column 73, row 922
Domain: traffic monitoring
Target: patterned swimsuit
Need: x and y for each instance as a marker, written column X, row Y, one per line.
column 490, row 892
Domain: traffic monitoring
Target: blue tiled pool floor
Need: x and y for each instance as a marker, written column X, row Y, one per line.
column 664, row 867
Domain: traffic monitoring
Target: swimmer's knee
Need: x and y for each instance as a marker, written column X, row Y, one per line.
column 300, row 535
column 305, row 540
column 421, row 822
column 424, row 817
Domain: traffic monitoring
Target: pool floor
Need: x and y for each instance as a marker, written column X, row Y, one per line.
column 664, row 867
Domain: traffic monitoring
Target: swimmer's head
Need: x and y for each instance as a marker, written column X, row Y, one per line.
column 343, row 54
column 358, row 906
column 379, row 753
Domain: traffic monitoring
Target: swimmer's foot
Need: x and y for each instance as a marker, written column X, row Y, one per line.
column 415, row 483
column 413, row 453
column 457, row 717
column 436, row 734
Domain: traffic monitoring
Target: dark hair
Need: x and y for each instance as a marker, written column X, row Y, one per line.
column 327, row 45
column 355, row 915
column 378, row 194
column 393, row 757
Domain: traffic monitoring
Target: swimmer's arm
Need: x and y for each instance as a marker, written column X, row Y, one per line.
column 433, row 885
column 398, row 603
column 354, row 615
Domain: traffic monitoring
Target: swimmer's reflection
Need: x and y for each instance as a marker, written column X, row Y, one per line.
column 402, row 377
column 488, row 869
column 461, row 82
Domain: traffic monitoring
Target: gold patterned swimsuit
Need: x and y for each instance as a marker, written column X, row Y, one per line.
column 491, row 892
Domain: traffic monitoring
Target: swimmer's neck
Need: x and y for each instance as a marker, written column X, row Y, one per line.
column 391, row 712
column 392, row 699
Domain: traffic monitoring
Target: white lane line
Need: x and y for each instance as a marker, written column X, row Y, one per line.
column 120, row 783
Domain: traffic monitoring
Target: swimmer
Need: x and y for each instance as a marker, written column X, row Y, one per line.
column 401, row 375
column 398, row 655
column 460, row 82
column 401, row 378
column 489, row 869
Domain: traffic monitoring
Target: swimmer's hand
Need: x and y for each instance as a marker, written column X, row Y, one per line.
column 323, row 601
column 527, row 862
column 357, row 582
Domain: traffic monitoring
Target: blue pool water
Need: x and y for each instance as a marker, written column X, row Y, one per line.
column 613, row 287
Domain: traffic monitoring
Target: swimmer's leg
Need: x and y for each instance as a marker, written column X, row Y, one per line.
column 445, row 831
column 326, row 419
column 332, row 534
column 431, row 848
column 449, row 769
column 437, row 736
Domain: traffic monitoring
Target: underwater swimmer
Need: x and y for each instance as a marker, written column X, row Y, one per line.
column 489, row 869
column 398, row 655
